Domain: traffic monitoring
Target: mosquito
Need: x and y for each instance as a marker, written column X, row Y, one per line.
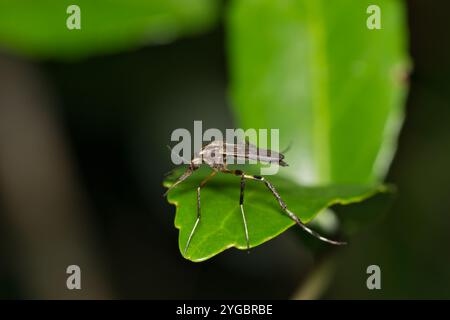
column 215, row 155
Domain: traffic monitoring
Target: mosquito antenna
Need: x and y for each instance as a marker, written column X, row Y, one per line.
column 168, row 173
column 180, row 157
column 287, row 148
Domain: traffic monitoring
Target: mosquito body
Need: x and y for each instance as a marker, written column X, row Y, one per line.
column 215, row 155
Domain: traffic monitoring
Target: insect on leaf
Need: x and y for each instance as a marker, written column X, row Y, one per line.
column 221, row 224
column 334, row 88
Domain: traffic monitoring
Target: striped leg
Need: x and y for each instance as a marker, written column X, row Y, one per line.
column 241, row 204
column 241, row 200
column 288, row 212
column 202, row 184
column 282, row 204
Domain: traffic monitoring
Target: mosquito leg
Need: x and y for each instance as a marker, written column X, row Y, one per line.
column 241, row 204
column 202, row 184
column 196, row 221
column 183, row 177
column 241, row 199
column 288, row 212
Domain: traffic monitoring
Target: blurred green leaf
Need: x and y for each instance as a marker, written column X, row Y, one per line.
column 221, row 225
column 334, row 88
column 38, row 28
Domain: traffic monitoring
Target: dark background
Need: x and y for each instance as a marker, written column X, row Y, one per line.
column 83, row 155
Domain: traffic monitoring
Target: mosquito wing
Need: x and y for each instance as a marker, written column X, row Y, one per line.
column 248, row 151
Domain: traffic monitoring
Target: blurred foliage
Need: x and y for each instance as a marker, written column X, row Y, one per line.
column 334, row 88
column 221, row 225
column 38, row 28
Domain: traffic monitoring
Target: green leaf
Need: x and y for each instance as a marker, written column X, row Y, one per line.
column 221, row 224
column 38, row 28
column 334, row 88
